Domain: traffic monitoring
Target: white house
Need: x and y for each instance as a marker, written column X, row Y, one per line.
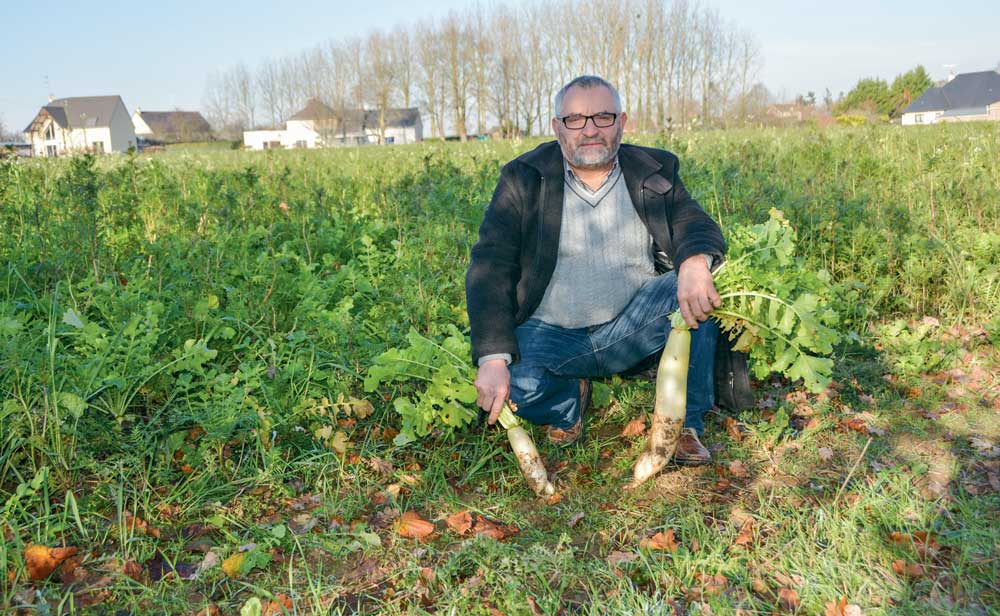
column 318, row 125
column 967, row 97
column 170, row 126
column 81, row 124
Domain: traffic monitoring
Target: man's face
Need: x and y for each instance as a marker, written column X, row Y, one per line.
column 589, row 147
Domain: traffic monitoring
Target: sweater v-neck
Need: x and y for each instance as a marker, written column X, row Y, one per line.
column 592, row 197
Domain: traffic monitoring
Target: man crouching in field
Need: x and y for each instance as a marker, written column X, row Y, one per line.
column 586, row 248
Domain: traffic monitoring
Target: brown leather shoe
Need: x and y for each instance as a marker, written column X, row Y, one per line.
column 565, row 438
column 690, row 451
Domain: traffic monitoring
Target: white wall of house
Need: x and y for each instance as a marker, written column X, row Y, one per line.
column 917, row 119
column 262, row 139
column 63, row 142
column 300, row 134
column 407, row 134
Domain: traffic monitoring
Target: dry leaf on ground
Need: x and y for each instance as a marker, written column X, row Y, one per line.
column 616, row 558
column 664, row 541
column 460, row 522
column 825, row 454
column 636, row 427
column 412, row 526
column 908, row 569
column 732, row 429
column 788, row 599
column 707, row 585
column 42, row 560
column 842, row 608
column 491, row 528
column 745, row 536
column 738, row 469
column 922, row 542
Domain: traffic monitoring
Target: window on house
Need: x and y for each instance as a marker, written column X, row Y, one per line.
column 50, row 132
column 301, row 143
column 97, row 147
column 50, row 150
column 919, row 118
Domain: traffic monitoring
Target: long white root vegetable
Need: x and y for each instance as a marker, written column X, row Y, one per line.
column 670, row 407
column 527, row 455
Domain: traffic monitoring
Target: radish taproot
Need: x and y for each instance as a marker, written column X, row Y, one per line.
column 670, row 406
column 527, row 455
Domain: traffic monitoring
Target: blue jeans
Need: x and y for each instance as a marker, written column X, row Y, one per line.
column 545, row 381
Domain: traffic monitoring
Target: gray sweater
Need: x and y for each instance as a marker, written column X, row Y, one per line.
column 605, row 255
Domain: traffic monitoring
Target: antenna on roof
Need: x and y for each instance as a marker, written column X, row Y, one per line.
column 951, row 70
column 48, row 87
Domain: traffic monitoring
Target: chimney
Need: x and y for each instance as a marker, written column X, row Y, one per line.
column 51, row 98
column 951, row 75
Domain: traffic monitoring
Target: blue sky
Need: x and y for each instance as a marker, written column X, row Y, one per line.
column 157, row 54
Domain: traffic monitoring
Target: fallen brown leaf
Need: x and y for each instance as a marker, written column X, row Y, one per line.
column 281, row 604
column 825, row 454
column 789, row 580
column 732, row 429
column 137, row 526
column 555, row 499
column 738, row 470
column 616, row 558
column 908, row 569
column 922, row 542
column 664, row 541
column 636, row 427
column 707, row 585
column 42, row 560
column 412, row 526
column 788, row 599
column 460, row 522
column 745, row 536
column 842, row 608
column 491, row 528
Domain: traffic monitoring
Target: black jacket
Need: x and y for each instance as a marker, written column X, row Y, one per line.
column 515, row 256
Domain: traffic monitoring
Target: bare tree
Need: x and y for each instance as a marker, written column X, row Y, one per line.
column 673, row 60
column 241, row 83
column 402, row 51
column 431, row 71
column 380, row 70
column 269, row 87
column 454, row 40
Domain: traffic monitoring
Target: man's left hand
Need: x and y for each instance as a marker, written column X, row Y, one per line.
column 696, row 290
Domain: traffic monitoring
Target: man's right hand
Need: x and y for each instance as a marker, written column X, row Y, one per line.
column 493, row 385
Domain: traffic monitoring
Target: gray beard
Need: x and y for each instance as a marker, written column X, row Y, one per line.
column 588, row 161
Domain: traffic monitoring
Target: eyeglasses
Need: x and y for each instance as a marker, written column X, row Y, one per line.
column 577, row 121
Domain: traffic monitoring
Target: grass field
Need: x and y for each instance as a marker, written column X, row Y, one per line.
column 184, row 338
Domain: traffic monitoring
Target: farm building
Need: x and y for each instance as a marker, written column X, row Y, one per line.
column 81, row 124
column 966, row 98
column 170, row 126
column 318, row 125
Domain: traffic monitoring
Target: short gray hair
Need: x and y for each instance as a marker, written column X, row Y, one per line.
column 585, row 82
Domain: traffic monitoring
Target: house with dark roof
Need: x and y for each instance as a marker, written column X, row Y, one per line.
column 319, row 125
column 170, row 126
column 967, row 97
column 96, row 124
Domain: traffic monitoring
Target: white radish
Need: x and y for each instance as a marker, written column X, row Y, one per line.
column 527, row 455
column 670, row 407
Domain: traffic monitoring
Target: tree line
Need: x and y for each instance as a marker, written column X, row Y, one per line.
column 676, row 63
